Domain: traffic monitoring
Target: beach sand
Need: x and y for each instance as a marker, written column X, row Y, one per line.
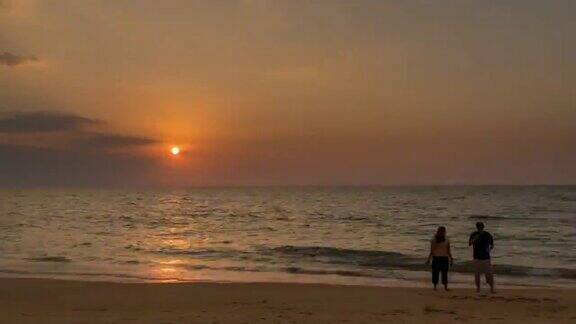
column 56, row 301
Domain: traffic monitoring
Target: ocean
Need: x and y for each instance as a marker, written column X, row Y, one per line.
column 341, row 235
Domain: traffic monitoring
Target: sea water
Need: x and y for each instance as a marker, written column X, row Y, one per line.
column 343, row 235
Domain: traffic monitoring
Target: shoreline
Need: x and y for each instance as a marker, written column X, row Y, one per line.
column 26, row 300
column 462, row 282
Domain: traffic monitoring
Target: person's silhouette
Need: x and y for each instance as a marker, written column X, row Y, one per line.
column 482, row 243
column 440, row 256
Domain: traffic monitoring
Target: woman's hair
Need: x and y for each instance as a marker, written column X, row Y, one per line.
column 440, row 234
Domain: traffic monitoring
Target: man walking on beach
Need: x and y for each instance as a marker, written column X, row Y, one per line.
column 482, row 243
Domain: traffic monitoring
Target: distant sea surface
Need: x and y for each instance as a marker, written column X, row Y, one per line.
column 343, row 235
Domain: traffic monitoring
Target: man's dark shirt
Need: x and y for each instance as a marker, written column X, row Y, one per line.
column 482, row 244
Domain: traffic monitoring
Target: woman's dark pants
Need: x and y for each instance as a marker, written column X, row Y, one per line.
column 440, row 265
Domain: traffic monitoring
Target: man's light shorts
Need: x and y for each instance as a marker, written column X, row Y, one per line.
column 482, row 266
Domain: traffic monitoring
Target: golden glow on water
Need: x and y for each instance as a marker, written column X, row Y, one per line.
column 175, row 243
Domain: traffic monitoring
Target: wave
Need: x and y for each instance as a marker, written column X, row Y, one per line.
column 453, row 198
column 332, row 251
column 50, row 259
column 314, row 260
column 345, row 256
column 487, row 217
column 511, row 218
column 343, row 273
column 569, row 196
column 385, row 260
column 516, row 270
column 83, row 274
column 205, row 254
column 319, row 260
column 507, row 270
column 364, row 259
column 539, row 209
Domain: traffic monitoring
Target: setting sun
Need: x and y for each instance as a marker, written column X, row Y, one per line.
column 175, row 150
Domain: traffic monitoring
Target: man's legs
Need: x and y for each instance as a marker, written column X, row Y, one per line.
column 483, row 267
column 477, row 281
column 477, row 272
column 490, row 277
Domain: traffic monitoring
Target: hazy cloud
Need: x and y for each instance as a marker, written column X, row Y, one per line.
column 12, row 60
column 294, row 73
column 36, row 122
column 101, row 140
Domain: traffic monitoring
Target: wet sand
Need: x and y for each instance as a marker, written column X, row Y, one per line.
column 55, row 301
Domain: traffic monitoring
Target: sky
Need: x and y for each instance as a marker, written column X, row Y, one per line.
column 262, row 92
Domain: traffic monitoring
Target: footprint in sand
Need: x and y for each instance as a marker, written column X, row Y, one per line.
column 394, row 312
column 430, row 309
column 89, row 309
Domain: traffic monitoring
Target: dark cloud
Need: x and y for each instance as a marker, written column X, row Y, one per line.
column 101, row 140
column 12, row 60
column 37, row 122
column 33, row 166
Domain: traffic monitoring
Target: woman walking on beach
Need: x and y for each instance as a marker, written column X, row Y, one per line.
column 440, row 256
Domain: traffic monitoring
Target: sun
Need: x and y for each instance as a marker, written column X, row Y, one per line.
column 175, row 150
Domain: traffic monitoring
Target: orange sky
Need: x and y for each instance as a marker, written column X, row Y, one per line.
column 287, row 92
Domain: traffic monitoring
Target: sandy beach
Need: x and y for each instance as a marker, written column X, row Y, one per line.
column 55, row 301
